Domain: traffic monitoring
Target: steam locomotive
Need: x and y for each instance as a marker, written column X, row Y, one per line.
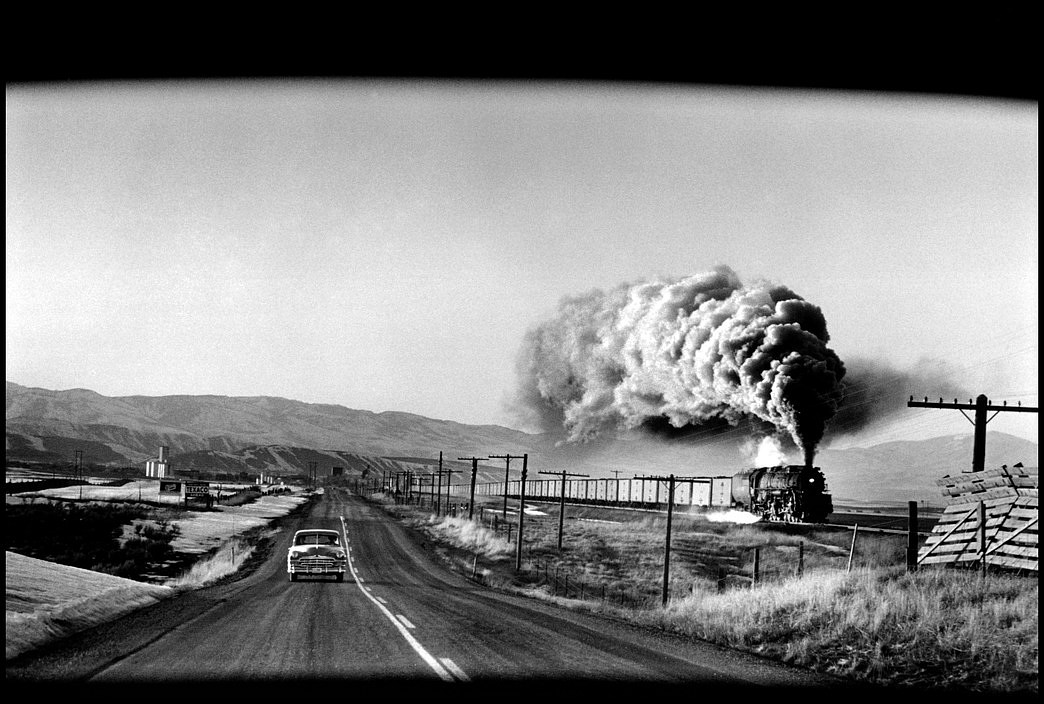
column 793, row 492
column 789, row 493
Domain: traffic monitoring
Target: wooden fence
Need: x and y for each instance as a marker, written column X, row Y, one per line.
column 991, row 520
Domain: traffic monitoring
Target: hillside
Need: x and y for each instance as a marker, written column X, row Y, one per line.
column 907, row 470
column 280, row 436
column 136, row 426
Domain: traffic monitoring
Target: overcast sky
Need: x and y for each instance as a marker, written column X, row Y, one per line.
column 385, row 245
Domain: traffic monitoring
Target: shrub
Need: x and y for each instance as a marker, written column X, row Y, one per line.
column 88, row 536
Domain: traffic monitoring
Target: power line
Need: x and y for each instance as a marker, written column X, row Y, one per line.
column 474, row 471
column 507, row 468
column 561, row 508
column 981, row 407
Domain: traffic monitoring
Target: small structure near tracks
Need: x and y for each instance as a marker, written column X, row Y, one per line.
column 991, row 521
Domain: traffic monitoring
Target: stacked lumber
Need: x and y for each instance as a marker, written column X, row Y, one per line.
column 1009, row 497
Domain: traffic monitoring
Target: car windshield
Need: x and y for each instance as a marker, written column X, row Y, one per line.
column 317, row 539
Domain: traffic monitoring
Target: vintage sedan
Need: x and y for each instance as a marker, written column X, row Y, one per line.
column 316, row 552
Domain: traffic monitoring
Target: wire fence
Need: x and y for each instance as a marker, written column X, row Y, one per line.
column 701, row 557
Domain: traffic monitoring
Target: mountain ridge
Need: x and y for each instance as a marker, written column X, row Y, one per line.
column 264, row 434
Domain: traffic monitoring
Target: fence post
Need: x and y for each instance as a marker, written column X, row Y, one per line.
column 801, row 558
column 911, row 539
column 721, row 578
column 756, row 573
column 851, row 550
column 982, row 535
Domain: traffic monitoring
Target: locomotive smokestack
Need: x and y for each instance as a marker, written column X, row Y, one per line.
column 810, row 457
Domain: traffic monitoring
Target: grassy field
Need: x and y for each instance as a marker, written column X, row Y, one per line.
column 874, row 622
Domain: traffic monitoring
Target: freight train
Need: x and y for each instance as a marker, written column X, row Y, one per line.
column 790, row 493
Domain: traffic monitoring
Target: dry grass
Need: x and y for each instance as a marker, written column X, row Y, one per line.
column 221, row 562
column 933, row 628
column 939, row 629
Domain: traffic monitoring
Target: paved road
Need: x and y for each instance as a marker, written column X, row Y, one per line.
column 399, row 617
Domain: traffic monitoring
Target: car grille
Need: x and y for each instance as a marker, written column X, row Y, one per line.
column 317, row 563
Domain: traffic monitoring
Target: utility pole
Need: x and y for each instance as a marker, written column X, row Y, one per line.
column 521, row 513
column 667, row 547
column 474, row 471
column 438, row 501
column 981, row 407
column 449, row 483
column 561, row 507
column 420, row 488
column 507, row 469
column 670, row 511
column 78, row 466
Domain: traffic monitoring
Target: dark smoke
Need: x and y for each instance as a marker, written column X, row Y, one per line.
column 875, row 391
column 688, row 353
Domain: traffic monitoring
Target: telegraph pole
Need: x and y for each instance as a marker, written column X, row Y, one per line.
column 982, row 406
column 667, row 548
column 474, row 471
column 521, row 513
column 616, row 476
column 438, row 501
column 449, row 482
column 79, row 470
column 561, row 508
column 507, row 470
column 670, row 512
column 421, row 478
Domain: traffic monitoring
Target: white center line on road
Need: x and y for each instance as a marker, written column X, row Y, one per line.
column 382, row 600
column 457, row 672
column 405, row 621
column 427, row 657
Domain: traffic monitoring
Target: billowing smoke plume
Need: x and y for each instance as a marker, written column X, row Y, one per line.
column 875, row 391
column 690, row 352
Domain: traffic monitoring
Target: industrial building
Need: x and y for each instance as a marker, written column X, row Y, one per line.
column 159, row 467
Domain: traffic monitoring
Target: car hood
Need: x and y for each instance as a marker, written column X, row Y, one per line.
column 325, row 550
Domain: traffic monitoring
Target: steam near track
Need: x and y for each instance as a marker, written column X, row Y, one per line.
column 693, row 351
